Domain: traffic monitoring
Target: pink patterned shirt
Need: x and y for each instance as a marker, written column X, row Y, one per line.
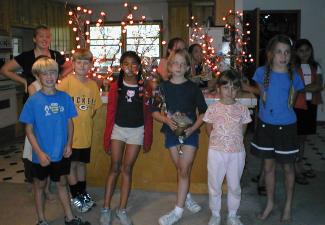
column 227, row 122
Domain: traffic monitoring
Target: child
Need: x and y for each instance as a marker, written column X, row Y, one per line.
column 27, row 153
column 48, row 117
column 275, row 138
column 125, row 134
column 226, row 125
column 86, row 98
column 173, row 44
column 182, row 149
column 307, row 101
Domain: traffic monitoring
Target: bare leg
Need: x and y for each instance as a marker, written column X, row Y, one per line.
column 48, row 194
column 130, row 157
column 64, row 197
column 72, row 177
column 39, row 186
column 269, row 171
column 289, row 181
column 183, row 164
column 81, row 171
column 114, row 171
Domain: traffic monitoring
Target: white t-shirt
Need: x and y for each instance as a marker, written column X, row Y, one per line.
column 307, row 77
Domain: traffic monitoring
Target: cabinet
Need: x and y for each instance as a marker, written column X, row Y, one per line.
column 4, row 16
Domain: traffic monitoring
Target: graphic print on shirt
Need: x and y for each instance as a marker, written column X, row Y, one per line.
column 83, row 102
column 129, row 95
column 53, row 108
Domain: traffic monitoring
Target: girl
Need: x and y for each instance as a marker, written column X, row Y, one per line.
column 124, row 135
column 173, row 44
column 275, row 139
column 200, row 73
column 182, row 150
column 307, row 101
column 226, row 125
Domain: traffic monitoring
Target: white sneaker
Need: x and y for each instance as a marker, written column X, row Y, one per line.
column 169, row 218
column 234, row 220
column 192, row 205
column 214, row 220
column 79, row 204
column 105, row 217
column 123, row 217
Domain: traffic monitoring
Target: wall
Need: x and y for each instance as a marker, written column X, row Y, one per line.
column 312, row 24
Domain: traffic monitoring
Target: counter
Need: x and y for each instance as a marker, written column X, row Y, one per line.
column 153, row 170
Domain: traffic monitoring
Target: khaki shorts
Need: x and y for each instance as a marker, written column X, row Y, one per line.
column 132, row 136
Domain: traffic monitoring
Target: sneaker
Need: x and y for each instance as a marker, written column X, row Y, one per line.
column 105, row 217
column 80, row 204
column 123, row 217
column 192, row 205
column 234, row 220
column 88, row 199
column 76, row 221
column 169, row 218
column 214, row 220
column 42, row 222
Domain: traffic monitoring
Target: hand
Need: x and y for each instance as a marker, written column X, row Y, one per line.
column 189, row 131
column 146, row 150
column 67, row 151
column 44, row 159
column 171, row 123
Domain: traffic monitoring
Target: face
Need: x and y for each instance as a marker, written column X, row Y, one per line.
column 281, row 56
column 130, row 66
column 42, row 39
column 48, row 79
column 228, row 92
column 82, row 66
column 197, row 54
column 178, row 66
column 304, row 53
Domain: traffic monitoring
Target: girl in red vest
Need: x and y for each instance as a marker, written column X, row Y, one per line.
column 128, row 127
column 307, row 101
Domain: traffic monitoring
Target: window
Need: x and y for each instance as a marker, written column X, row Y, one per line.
column 105, row 42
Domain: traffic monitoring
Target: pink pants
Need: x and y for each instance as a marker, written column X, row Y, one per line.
column 231, row 165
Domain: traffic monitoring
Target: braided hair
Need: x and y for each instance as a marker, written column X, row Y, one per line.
column 270, row 55
column 140, row 79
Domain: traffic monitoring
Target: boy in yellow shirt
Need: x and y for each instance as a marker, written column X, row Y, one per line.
column 86, row 97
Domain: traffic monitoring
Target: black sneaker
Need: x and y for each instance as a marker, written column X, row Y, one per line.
column 76, row 221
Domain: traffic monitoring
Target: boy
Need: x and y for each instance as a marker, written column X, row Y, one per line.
column 86, row 98
column 49, row 128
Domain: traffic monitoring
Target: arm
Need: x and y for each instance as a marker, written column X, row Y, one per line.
column 315, row 86
column 68, row 147
column 208, row 128
column 31, row 89
column 164, row 119
column 44, row 159
column 251, row 88
column 195, row 126
column 8, row 70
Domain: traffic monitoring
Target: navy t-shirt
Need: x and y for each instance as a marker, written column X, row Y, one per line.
column 129, row 111
column 185, row 98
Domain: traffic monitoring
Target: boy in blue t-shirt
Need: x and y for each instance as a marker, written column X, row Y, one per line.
column 48, row 118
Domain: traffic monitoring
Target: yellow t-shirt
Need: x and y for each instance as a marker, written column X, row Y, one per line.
column 86, row 98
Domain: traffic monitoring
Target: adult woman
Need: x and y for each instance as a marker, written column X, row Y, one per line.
column 24, row 61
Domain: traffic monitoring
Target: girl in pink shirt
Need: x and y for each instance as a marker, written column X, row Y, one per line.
column 226, row 124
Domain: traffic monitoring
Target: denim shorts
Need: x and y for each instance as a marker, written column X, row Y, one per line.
column 171, row 140
column 129, row 135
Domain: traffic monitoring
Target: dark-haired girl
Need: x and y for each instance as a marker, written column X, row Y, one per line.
column 128, row 127
column 275, row 139
column 307, row 101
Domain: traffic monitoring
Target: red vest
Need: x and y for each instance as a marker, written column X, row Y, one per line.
column 301, row 97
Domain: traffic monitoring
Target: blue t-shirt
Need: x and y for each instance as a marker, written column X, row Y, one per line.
column 276, row 110
column 49, row 115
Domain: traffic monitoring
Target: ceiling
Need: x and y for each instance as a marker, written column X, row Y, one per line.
column 90, row 2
